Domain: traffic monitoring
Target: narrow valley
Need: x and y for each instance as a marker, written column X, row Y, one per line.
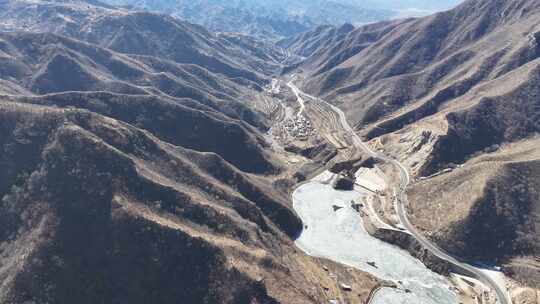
column 334, row 229
column 269, row 152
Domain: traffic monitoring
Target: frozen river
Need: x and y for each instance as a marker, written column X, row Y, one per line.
column 340, row 236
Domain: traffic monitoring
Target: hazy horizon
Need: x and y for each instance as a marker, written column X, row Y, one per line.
column 431, row 5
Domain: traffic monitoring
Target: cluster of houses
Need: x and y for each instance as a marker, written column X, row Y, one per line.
column 299, row 127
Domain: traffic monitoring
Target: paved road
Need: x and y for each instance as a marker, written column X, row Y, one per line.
column 298, row 95
column 401, row 202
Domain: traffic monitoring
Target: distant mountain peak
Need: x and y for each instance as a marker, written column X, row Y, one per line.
column 269, row 19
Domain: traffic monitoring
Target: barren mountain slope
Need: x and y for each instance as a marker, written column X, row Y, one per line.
column 327, row 46
column 96, row 210
column 135, row 171
column 209, row 104
column 489, row 208
column 138, row 33
column 377, row 70
column 440, row 91
column 470, row 74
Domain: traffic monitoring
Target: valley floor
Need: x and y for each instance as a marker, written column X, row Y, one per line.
column 337, row 222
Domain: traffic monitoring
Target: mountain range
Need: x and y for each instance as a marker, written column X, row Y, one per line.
column 132, row 169
column 139, row 162
column 275, row 19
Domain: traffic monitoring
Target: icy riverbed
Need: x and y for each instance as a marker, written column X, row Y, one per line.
column 340, row 236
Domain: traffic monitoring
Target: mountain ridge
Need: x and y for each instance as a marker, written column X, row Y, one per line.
column 142, row 160
column 264, row 19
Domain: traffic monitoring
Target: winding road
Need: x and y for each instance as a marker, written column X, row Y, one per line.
column 298, row 95
column 401, row 201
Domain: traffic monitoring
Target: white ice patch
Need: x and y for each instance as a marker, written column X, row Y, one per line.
column 340, row 236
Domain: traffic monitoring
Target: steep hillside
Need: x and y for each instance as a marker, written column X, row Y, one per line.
column 96, row 224
column 389, row 75
column 100, row 211
column 136, row 33
column 376, row 70
column 134, row 170
column 138, row 161
column 208, row 103
column 489, row 207
column 487, row 210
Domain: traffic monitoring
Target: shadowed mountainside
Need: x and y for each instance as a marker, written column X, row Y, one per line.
column 132, row 169
column 136, row 33
column 200, row 104
column 87, row 198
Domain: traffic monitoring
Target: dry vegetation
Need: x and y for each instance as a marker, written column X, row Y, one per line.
column 472, row 66
column 458, row 87
column 133, row 169
column 86, row 212
column 487, row 209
